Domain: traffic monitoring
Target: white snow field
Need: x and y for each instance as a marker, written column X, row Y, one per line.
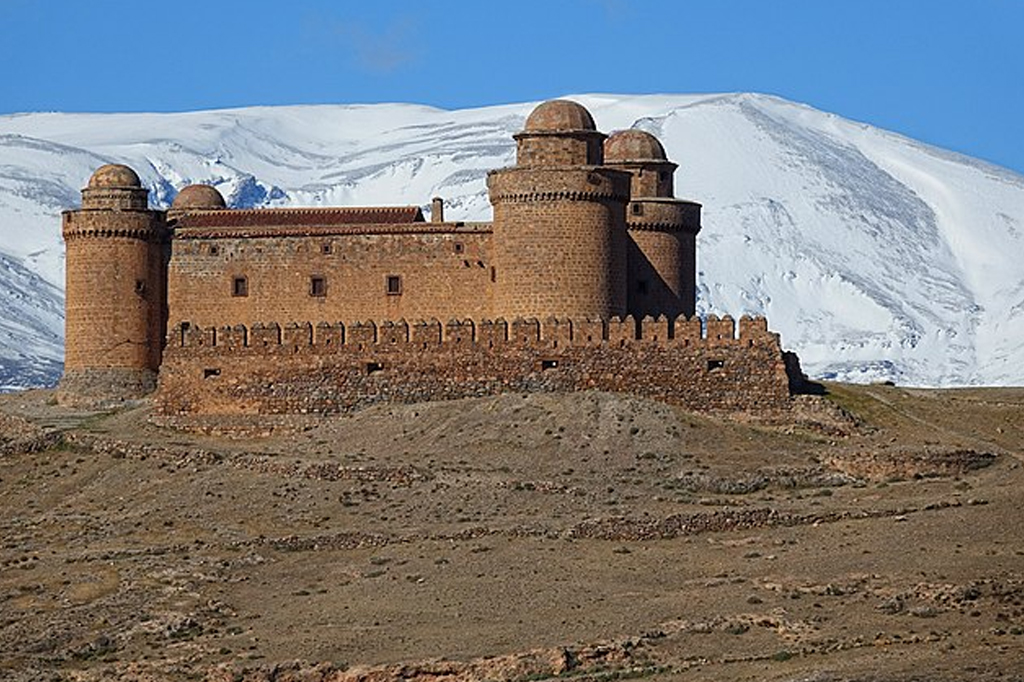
column 875, row 256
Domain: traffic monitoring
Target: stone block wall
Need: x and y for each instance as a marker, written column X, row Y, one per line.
column 438, row 271
column 559, row 242
column 114, row 301
column 305, row 368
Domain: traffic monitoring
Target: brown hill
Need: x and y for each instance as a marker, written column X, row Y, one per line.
column 594, row 536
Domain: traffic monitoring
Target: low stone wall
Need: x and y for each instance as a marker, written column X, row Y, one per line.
column 303, row 369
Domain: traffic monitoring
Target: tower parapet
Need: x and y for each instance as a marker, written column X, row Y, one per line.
column 115, row 289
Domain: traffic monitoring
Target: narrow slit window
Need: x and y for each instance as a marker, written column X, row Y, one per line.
column 240, row 287
column 317, row 286
column 393, row 285
column 715, row 365
column 638, row 209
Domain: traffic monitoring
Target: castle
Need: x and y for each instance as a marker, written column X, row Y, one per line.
column 585, row 278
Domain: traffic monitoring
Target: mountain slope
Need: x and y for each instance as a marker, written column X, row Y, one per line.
column 875, row 256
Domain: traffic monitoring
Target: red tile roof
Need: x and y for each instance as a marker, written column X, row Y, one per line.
column 301, row 217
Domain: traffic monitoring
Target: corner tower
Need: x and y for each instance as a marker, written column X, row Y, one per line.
column 559, row 221
column 662, row 230
column 115, row 289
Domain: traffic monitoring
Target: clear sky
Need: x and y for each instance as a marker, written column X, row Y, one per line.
column 948, row 72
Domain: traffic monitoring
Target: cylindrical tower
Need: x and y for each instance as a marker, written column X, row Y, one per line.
column 559, row 221
column 662, row 230
column 115, row 289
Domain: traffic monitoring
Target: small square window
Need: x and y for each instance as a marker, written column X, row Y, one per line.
column 214, row 250
column 459, row 247
column 394, row 285
column 240, row 286
column 317, row 286
column 326, row 248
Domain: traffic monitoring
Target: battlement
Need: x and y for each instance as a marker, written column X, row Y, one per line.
column 420, row 335
column 715, row 364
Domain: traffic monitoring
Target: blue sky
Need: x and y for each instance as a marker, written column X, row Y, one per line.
column 948, row 72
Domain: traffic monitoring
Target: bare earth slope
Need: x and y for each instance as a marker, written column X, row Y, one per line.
column 593, row 536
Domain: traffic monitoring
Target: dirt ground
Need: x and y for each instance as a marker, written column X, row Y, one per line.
column 877, row 536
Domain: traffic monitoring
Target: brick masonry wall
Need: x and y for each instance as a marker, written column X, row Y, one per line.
column 559, row 242
column 115, row 290
column 559, row 149
column 302, row 369
column 662, row 262
column 442, row 274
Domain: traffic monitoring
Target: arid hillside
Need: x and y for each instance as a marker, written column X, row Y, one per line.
column 876, row 536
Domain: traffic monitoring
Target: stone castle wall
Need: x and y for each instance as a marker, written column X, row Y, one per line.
column 559, row 241
column 662, row 269
column 443, row 270
column 329, row 368
column 114, row 301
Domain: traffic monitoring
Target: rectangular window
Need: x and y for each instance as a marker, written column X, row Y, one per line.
column 638, row 209
column 239, row 286
column 317, row 286
column 394, row 285
column 326, row 248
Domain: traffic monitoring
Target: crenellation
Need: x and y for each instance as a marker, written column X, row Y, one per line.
column 525, row 331
column 361, row 334
column 622, row 331
column 459, row 332
column 393, row 333
column 656, row 329
column 556, row 332
column 687, row 331
column 492, row 333
column 426, row 334
column 328, row 336
column 297, row 335
column 720, row 330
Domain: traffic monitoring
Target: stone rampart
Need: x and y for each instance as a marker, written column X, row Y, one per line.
column 302, row 368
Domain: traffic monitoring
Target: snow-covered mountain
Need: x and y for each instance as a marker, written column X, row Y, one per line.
column 875, row 256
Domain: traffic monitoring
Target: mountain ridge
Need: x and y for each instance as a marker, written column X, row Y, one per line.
column 876, row 256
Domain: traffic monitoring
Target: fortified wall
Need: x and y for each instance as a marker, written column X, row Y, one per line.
column 331, row 368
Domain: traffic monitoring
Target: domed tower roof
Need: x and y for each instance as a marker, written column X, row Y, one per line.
column 559, row 115
column 633, row 145
column 117, row 187
column 559, row 133
column 198, row 197
column 114, row 176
